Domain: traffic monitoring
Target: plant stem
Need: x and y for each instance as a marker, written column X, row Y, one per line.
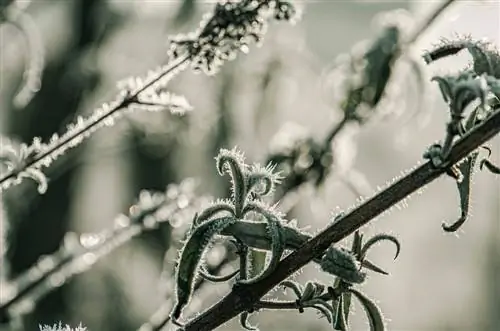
column 276, row 305
column 129, row 99
column 243, row 297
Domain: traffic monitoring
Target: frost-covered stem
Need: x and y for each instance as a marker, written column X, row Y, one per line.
column 35, row 282
column 243, row 297
column 78, row 254
column 65, row 141
column 429, row 20
column 276, row 305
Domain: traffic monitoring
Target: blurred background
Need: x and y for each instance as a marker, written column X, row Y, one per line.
column 440, row 281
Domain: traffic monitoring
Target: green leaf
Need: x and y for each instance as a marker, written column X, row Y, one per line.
column 467, row 169
column 375, row 318
column 490, row 166
column 244, row 322
column 191, row 257
column 342, row 263
column 233, row 163
column 376, row 239
column 218, row 279
column 341, row 323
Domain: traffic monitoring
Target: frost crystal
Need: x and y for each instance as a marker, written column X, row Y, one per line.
column 60, row 327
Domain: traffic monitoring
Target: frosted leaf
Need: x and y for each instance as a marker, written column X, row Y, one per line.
column 162, row 101
column 16, row 159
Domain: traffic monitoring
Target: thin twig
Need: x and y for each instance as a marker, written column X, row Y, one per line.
column 243, row 297
column 127, row 101
column 429, row 21
column 74, row 257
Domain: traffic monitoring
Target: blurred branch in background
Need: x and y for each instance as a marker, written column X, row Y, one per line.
column 13, row 13
column 68, row 78
column 79, row 252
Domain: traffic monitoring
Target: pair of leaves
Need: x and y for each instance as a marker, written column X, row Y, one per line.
column 343, row 304
column 346, row 266
column 248, row 184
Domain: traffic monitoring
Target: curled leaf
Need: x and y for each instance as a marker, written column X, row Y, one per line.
column 210, row 211
column 190, row 259
column 274, row 228
column 232, row 162
column 324, row 309
column 378, row 238
column 444, row 86
column 217, row 279
column 484, row 56
column 464, row 92
column 466, row 167
column 375, row 318
column 490, row 166
column 265, row 176
column 244, row 322
column 309, row 292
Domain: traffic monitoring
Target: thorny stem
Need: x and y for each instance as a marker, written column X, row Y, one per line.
column 127, row 101
column 244, row 297
column 429, row 20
